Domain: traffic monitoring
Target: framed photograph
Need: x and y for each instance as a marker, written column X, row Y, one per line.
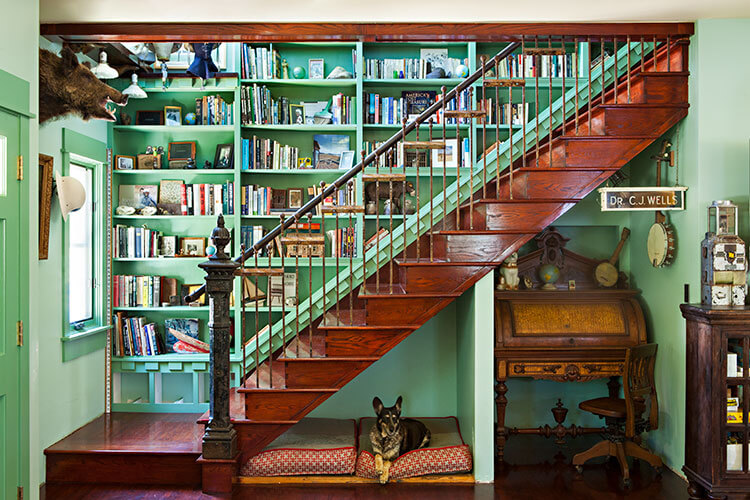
column 304, row 162
column 173, row 116
column 144, row 117
column 327, row 149
column 451, row 155
column 193, row 247
column 295, row 198
column 278, row 199
column 346, row 160
column 46, row 163
column 138, row 196
column 123, row 162
column 224, row 156
column 311, row 108
column 184, row 150
column 316, row 69
column 297, row 112
column 169, row 246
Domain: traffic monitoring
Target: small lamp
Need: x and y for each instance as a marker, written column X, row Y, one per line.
column 134, row 91
column 71, row 194
column 104, row 71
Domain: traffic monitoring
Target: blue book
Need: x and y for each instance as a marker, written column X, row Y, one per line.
column 138, row 242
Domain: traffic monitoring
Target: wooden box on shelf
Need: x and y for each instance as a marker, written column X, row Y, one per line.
column 717, row 463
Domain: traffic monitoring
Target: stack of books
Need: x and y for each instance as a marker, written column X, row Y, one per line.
column 260, row 63
column 262, row 153
column 134, row 336
column 207, row 199
column 213, row 110
column 136, row 242
column 142, row 291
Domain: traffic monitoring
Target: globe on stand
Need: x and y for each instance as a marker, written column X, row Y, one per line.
column 190, row 119
column 549, row 274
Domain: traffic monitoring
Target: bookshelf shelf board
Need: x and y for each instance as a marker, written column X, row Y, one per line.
column 276, row 217
column 385, row 217
column 177, row 171
column 570, row 82
column 294, row 171
column 424, row 126
column 192, row 129
column 250, row 309
column 413, row 82
column 304, row 128
column 172, row 356
column 191, row 90
column 160, row 259
column 305, row 82
column 164, row 309
column 303, row 261
column 412, row 172
column 227, row 218
column 159, row 407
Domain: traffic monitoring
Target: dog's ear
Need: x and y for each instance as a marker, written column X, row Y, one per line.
column 377, row 404
column 398, row 404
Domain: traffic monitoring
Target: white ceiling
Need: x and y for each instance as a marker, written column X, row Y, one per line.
column 85, row 11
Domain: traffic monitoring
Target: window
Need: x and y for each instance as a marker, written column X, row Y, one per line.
column 81, row 252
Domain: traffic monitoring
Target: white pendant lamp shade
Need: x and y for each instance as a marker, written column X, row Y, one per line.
column 104, row 71
column 71, row 194
column 134, row 91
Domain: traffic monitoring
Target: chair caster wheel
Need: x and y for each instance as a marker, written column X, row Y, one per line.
column 626, row 483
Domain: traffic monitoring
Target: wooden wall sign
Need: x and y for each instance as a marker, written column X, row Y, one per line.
column 622, row 199
column 45, row 203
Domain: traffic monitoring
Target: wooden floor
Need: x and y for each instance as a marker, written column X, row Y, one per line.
column 537, row 469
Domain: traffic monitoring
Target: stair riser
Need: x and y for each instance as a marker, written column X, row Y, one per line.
column 383, row 311
column 287, row 405
column 254, row 437
column 636, row 121
column 665, row 89
column 123, row 468
column 312, row 374
column 523, row 215
column 473, row 247
column 595, row 152
column 552, row 184
column 430, row 279
column 361, row 342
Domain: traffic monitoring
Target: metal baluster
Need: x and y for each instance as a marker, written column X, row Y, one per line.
column 431, row 195
column 537, row 60
column 243, row 331
column 350, row 250
column 470, row 160
column 669, row 62
column 549, row 106
column 283, row 292
column 601, row 45
column 564, row 70
column 589, row 88
column 296, row 284
column 322, row 230
column 270, row 321
column 654, row 54
column 403, row 207
column 377, row 224
column 643, row 58
column 575, row 70
column 445, row 152
column 628, row 72
column 499, row 108
column 617, row 80
column 484, row 138
column 403, row 166
column 523, row 107
column 257, row 314
column 510, row 145
column 336, row 252
column 353, row 201
column 390, row 221
column 309, row 285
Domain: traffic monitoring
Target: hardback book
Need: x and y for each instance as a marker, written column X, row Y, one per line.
column 417, row 101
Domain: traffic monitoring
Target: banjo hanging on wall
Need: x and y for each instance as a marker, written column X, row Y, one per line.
column 661, row 243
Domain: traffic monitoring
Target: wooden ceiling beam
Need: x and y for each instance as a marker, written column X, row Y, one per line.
column 381, row 32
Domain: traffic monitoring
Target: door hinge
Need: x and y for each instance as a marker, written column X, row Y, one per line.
column 19, row 168
column 19, row 333
column 19, row 493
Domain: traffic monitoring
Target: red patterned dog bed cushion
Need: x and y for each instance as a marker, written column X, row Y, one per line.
column 311, row 446
column 447, row 453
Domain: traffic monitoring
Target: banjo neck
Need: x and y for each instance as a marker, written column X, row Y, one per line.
column 616, row 254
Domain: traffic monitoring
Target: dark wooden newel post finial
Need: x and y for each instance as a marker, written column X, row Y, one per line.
column 220, row 438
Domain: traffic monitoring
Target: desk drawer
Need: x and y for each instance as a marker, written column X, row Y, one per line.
column 564, row 371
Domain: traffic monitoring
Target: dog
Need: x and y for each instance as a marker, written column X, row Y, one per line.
column 392, row 436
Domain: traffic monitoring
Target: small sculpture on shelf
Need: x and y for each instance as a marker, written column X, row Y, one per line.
column 509, row 279
column 388, row 193
column 284, row 69
column 390, row 208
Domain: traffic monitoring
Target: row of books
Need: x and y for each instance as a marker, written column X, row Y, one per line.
column 207, row 199
column 515, row 113
column 410, row 68
column 260, row 62
column 134, row 336
column 259, row 107
column 342, row 109
column 143, row 291
column 213, row 110
column 343, row 241
column 249, row 235
column 524, row 66
column 264, row 153
column 412, row 158
column 136, row 242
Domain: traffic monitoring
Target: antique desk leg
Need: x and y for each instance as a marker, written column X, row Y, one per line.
column 695, row 490
column 501, row 401
column 614, row 387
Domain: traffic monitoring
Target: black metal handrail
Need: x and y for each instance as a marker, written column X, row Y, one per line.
column 356, row 169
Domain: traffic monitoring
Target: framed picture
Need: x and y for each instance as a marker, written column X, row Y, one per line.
column 451, row 154
column 123, row 162
column 311, row 109
column 184, row 150
column 144, row 117
column 224, row 156
column 316, row 69
column 173, row 116
column 187, row 290
column 193, row 247
column 304, row 162
column 138, row 196
column 170, row 196
column 169, row 246
column 295, row 198
column 46, row 163
column 297, row 112
column 346, row 160
column 327, row 149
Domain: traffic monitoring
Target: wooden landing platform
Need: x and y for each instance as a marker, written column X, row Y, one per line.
column 129, row 448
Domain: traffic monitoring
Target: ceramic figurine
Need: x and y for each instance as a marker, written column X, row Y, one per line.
column 409, row 208
column 509, row 273
column 284, row 69
column 371, row 208
column 390, row 207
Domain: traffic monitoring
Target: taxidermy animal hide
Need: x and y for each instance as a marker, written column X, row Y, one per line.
column 66, row 86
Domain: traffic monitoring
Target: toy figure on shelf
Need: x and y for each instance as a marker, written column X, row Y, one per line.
column 509, row 279
column 723, row 258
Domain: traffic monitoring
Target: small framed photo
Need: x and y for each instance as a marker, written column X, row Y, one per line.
column 297, row 112
column 295, row 198
column 304, row 162
column 123, row 162
column 168, row 246
column 148, row 117
column 193, row 247
column 316, row 69
column 450, row 154
column 346, row 161
column 172, row 116
column 224, row 156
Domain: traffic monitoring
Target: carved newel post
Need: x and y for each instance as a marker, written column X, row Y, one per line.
column 220, row 438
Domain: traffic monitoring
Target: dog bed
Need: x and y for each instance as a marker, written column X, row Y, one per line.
column 311, row 446
column 447, row 453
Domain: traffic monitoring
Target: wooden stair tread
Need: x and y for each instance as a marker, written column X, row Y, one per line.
column 643, row 105
column 504, row 82
column 662, row 73
column 284, row 390
column 340, row 359
column 385, row 177
column 561, row 169
column 605, row 138
column 426, row 262
column 343, row 209
column 343, row 318
column 523, row 200
column 464, row 113
column 423, row 144
column 480, row 232
column 383, row 288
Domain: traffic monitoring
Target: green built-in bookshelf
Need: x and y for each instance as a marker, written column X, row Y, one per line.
column 179, row 382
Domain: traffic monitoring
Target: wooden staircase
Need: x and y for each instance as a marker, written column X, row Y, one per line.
column 466, row 244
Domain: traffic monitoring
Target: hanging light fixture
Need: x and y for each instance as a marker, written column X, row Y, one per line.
column 104, row 71
column 134, row 91
column 71, row 194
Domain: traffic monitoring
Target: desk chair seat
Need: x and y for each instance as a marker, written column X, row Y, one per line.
column 625, row 417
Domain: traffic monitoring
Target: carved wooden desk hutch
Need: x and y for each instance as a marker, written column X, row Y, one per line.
column 716, row 401
column 567, row 335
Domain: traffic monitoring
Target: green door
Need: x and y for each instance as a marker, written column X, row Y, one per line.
column 10, row 307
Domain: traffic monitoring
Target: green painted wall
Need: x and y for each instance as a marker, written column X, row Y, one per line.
column 712, row 144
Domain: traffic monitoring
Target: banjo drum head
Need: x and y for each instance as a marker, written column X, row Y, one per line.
column 660, row 244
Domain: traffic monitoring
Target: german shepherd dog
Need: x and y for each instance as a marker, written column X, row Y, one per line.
column 392, row 436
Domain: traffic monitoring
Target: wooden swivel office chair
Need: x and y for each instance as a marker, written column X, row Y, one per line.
column 625, row 418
